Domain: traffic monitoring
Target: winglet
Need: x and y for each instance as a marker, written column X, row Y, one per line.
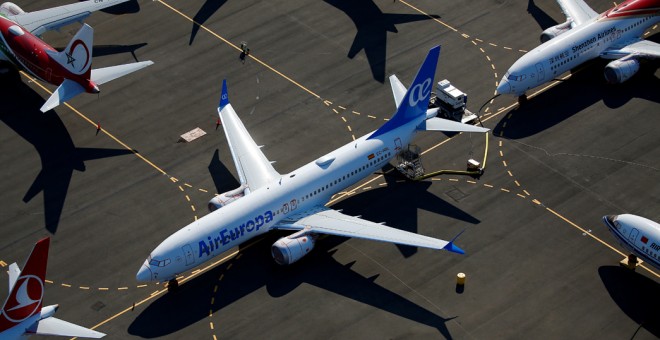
column 416, row 100
column 454, row 248
column 224, row 97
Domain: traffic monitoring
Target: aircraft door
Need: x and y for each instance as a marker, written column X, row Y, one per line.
column 189, row 255
column 633, row 235
column 540, row 72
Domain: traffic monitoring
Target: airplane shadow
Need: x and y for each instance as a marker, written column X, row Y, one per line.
column 372, row 26
column 397, row 205
column 103, row 50
column 131, row 6
column 580, row 91
column 635, row 294
column 223, row 179
column 544, row 20
column 254, row 270
column 204, row 13
column 46, row 132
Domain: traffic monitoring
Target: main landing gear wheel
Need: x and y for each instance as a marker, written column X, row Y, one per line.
column 172, row 285
column 522, row 99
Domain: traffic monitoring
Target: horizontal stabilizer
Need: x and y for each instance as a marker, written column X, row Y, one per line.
column 14, row 272
column 398, row 90
column 106, row 74
column 55, row 326
column 440, row 124
column 64, row 92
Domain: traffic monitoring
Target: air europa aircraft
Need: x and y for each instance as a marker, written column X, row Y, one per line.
column 267, row 200
column 615, row 34
column 23, row 313
column 70, row 69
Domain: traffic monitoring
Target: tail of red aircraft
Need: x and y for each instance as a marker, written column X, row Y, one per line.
column 77, row 56
column 26, row 290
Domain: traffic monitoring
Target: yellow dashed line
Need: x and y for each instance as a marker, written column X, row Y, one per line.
column 141, row 286
column 203, row 190
column 517, row 184
column 181, row 188
column 504, row 125
column 229, row 266
column 501, row 153
column 453, row 179
column 188, row 198
column 49, row 281
column 487, row 57
column 488, row 185
column 174, row 180
column 434, row 19
column 192, row 207
column 482, row 50
column 211, row 325
column 536, row 201
column 66, row 285
column 366, row 188
column 212, row 300
column 491, row 44
column 327, row 102
column 509, row 172
column 465, row 35
column 344, row 119
column 337, row 112
column 353, row 137
column 479, row 40
column 215, row 289
column 504, row 162
column 472, row 182
column 523, row 51
column 505, row 190
column 382, row 184
column 103, row 288
column 526, row 193
column 195, row 271
column 474, row 43
column 83, row 287
column 155, row 293
column 341, row 107
column 500, row 143
column 523, row 196
column 221, row 277
column 188, row 185
column 122, row 288
column 370, row 116
column 349, row 128
column 492, row 66
column 357, row 113
column 506, row 48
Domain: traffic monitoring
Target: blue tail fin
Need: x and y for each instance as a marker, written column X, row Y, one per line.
column 224, row 97
column 416, row 101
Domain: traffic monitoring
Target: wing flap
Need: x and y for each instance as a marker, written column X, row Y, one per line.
column 57, row 327
column 577, row 11
column 332, row 222
column 38, row 22
column 254, row 169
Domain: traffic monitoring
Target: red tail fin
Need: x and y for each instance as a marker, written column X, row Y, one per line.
column 25, row 298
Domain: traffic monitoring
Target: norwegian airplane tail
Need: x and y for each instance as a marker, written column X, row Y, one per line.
column 23, row 313
column 77, row 59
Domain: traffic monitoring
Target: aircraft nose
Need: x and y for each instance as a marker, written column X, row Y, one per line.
column 144, row 274
column 504, row 87
column 609, row 220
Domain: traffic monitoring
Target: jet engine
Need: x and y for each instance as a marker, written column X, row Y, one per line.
column 292, row 248
column 555, row 31
column 225, row 198
column 621, row 70
column 10, row 8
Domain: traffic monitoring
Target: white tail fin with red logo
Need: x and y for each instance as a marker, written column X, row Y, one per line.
column 77, row 56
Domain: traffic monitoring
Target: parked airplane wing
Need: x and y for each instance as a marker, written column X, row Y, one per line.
column 55, row 326
column 333, row 222
column 641, row 48
column 254, row 169
column 44, row 20
column 577, row 11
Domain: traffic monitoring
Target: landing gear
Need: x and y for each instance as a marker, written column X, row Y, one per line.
column 522, row 99
column 172, row 285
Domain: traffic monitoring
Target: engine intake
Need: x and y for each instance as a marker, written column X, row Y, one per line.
column 555, row 31
column 10, row 8
column 292, row 248
column 619, row 70
column 225, row 198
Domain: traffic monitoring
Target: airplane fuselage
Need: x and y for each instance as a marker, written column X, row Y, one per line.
column 574, row 47
column 311, row 185
column 27, row 52
column 638, row 235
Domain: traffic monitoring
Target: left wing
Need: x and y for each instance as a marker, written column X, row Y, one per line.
column 576, row 11
column 54, row 18
column 254, row 169
column 640, row 49
column 323, row 220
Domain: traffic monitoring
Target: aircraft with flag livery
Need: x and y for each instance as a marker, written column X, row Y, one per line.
column 267, row 200
column 71, row 69
column 23, row 313
column 638, row 235
column 615, row 34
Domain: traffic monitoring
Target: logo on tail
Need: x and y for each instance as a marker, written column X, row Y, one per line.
column 78, row 54
column 25, row 299
column 420, row 92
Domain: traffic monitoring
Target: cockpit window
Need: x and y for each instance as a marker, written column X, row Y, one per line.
column 514, row 77
column 162, row 263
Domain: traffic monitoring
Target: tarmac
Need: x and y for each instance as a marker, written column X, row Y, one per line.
column 540, row 263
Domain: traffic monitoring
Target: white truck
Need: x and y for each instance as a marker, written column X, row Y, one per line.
column 452, row 103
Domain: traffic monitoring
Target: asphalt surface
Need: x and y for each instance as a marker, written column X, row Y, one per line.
column 539, row 261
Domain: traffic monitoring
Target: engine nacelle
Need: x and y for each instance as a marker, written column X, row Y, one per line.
column 619, row 70
column 225, row 198
column 10, row 8
column 555, row 31
column 292, row 248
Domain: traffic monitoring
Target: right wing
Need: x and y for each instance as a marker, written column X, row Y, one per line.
column 55, row 326
column 254, row 169
column 576, row 11
column 639, row 49
column 54, row 18
column 322, row 220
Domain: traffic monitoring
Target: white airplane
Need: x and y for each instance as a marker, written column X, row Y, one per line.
column 615, row 34
column 23, row 313
column 638, row 235
column 70, row 69
column 267, row 200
